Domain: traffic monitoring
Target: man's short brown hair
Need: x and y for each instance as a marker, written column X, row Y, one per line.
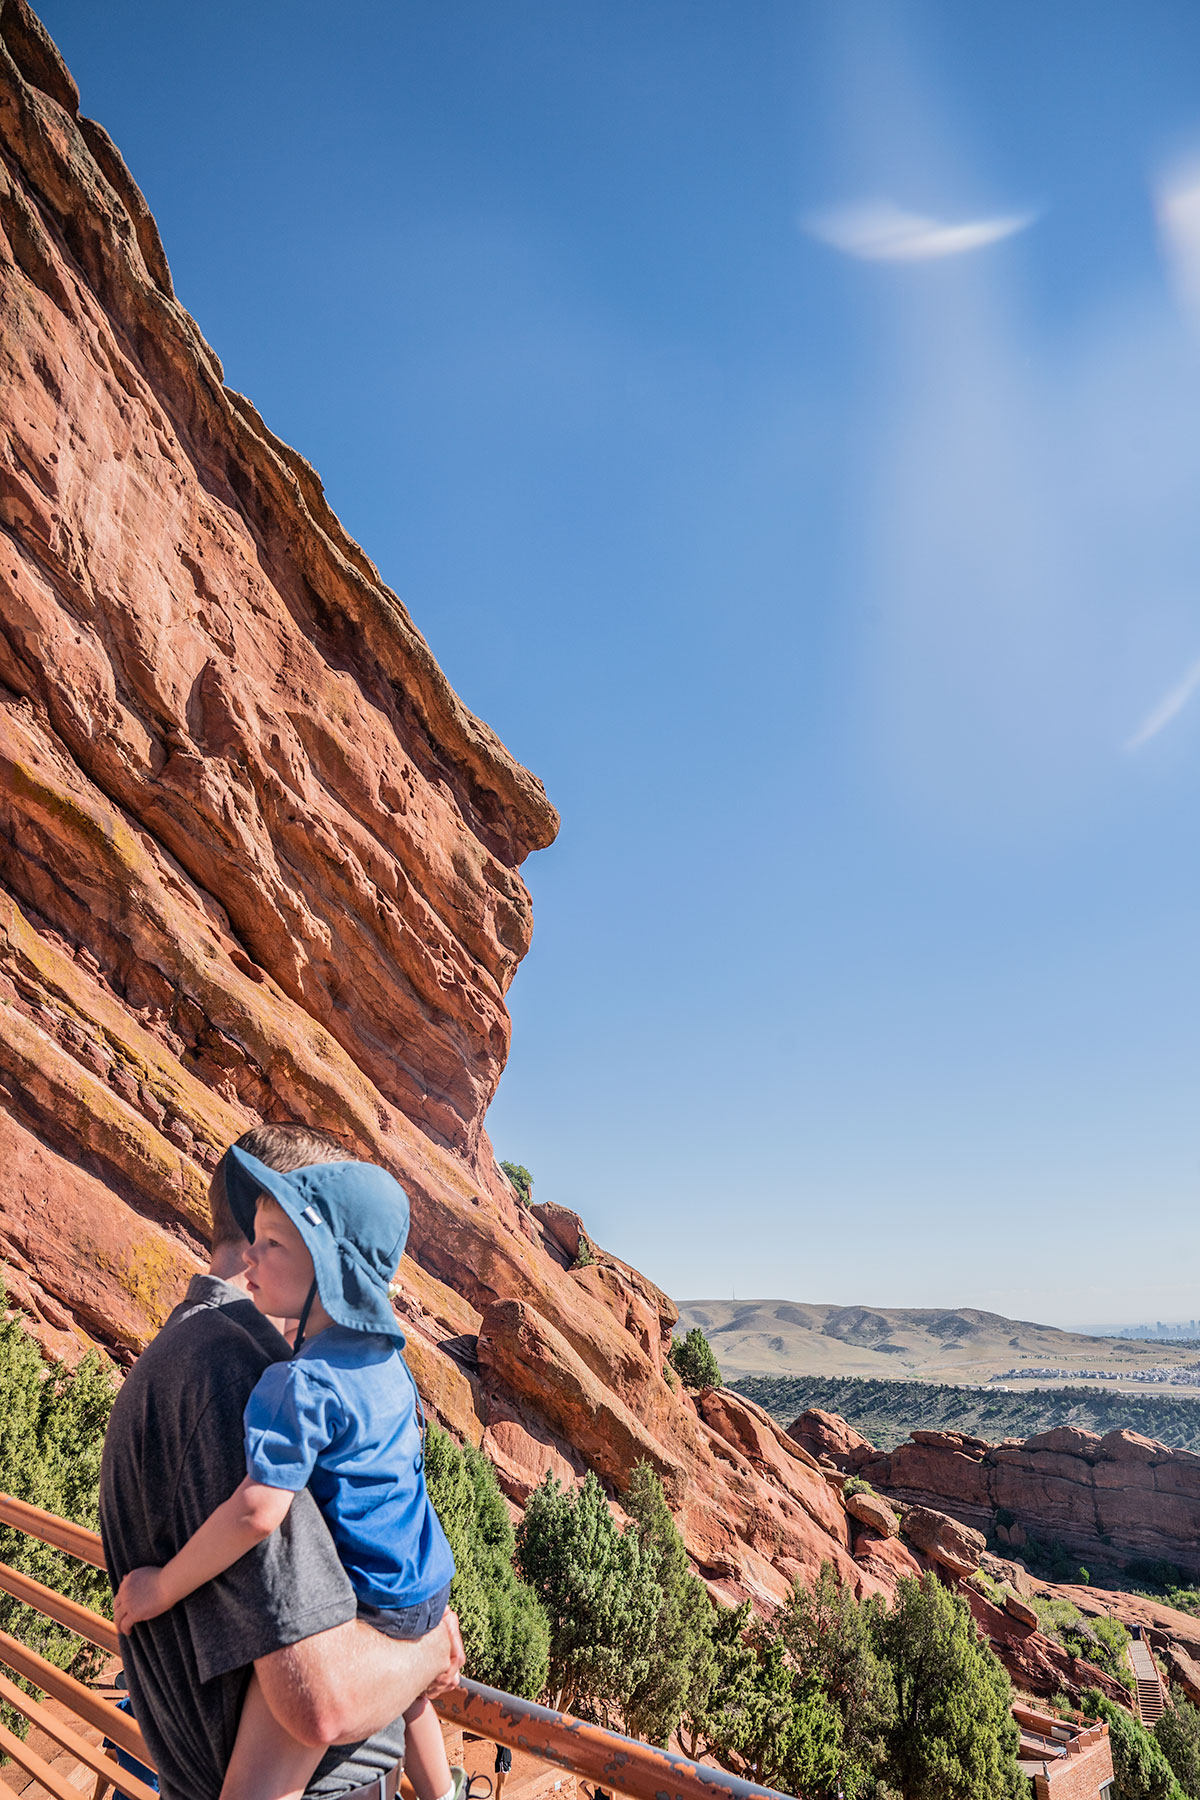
column 282, row 1147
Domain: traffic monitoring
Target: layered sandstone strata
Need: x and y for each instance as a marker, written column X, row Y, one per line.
column 1109, row 1499
column 257, row 860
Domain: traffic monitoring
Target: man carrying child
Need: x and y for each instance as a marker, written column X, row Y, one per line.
column 285, row 1610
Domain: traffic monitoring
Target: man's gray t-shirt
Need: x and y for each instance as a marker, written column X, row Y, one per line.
column 174, row 1451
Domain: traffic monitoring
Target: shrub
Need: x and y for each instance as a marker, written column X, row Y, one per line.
column 505, row 1632
column 683, row 1635
column 602, row 1597
column 856, row 1485
column 694, row 1361
column 585, row 1256
column 52, row 1427
column 759, row 1717
column 1153, row 1572
column 953, row 1736
column 1177, row 1734
column 831, row 1640
column 521, row 1180
column 1141, row 1768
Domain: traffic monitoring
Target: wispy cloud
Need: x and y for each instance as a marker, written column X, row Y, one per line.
column 1177, row 208
column 878, row 231
column 1168, row 708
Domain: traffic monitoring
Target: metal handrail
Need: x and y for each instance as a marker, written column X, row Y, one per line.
column 625, row 1765
column 619, row 1764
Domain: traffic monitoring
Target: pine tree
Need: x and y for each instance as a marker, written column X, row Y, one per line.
column 693, row 1360
column 1142, row 1770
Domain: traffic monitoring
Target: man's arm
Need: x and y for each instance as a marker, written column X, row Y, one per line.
column 348, row 1683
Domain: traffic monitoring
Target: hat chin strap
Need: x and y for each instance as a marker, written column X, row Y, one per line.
column 304, row 1312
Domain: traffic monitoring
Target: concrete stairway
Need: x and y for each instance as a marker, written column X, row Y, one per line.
column 1151, row 1703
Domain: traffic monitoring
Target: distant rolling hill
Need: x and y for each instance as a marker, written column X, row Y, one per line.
column 955, row 1344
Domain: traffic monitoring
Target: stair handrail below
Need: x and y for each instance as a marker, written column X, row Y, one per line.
column 618, row 1764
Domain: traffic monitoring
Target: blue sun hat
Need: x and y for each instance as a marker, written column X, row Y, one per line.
column 353, row 1217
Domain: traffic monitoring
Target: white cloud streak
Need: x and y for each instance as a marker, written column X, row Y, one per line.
column 878, row 231
column 1168, row 708
column 1177, row 209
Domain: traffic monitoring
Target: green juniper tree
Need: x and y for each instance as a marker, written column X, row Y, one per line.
column 521, row 1179
column 1142, row 1770
column 693, row 1360
column 505, row 1632
column 683, row 1636
column 758, row 1717
column 52, row 1427
column 952, row 1736
column 1177, row 1735
column 831, row 1639
column 601, row 1593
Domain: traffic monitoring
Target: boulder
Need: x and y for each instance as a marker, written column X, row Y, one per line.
column 825, row 1434
column 943, row 1539
column 1185, row 1671
column 872, row 1510
column 562, row 1226
column 1020, row 1610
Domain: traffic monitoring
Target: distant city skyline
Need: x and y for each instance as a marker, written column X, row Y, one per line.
column 784, row 424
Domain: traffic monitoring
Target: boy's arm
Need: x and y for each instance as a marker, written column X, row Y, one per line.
column 251, row 1513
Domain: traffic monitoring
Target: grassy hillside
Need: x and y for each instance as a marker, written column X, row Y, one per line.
column 886, row 1411
column 786, row 1337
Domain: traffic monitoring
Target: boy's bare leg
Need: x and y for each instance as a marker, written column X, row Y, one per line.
column 425, row 1761
column 267, row 1763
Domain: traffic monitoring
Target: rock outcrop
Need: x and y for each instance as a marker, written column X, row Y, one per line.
column 257, row 860
column 1109, row 1499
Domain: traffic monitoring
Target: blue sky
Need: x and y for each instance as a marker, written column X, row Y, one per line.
column 783, row 421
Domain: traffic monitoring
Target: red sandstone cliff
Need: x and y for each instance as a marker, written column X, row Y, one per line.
column 1105, row 1499
column 257, row 860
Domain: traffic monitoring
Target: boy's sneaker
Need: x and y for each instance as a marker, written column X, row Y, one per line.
column 469, row 1787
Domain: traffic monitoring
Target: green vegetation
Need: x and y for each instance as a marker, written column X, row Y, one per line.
column 600, row 1591
column 1177, row 1735
column 886, row 1411
column 585, row 1256
column 1101, row 1641
column 1161, row 1580
column 505, row 1632
column 684, row 1663
column 52, row 1428
column 830, row 1695
column 521, row 1179
column 953, row 1733
column 693, row 1360
column 1140, row 1764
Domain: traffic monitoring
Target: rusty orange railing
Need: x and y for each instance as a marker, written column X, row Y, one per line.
column 619, row 1764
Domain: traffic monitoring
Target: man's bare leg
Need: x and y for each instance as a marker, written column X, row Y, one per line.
column 425, row 1760
column 267, row 1763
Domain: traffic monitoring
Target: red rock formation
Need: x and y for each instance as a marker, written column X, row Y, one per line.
column 258, row 861
column 1107, row 1499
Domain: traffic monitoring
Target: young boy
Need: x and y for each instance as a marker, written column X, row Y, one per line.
column 340, row 1417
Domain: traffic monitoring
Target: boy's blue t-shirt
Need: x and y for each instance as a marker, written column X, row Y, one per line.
column 341, row 1419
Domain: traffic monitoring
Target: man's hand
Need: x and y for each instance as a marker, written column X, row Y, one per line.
column 140, row 1596
column 457, row 1657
